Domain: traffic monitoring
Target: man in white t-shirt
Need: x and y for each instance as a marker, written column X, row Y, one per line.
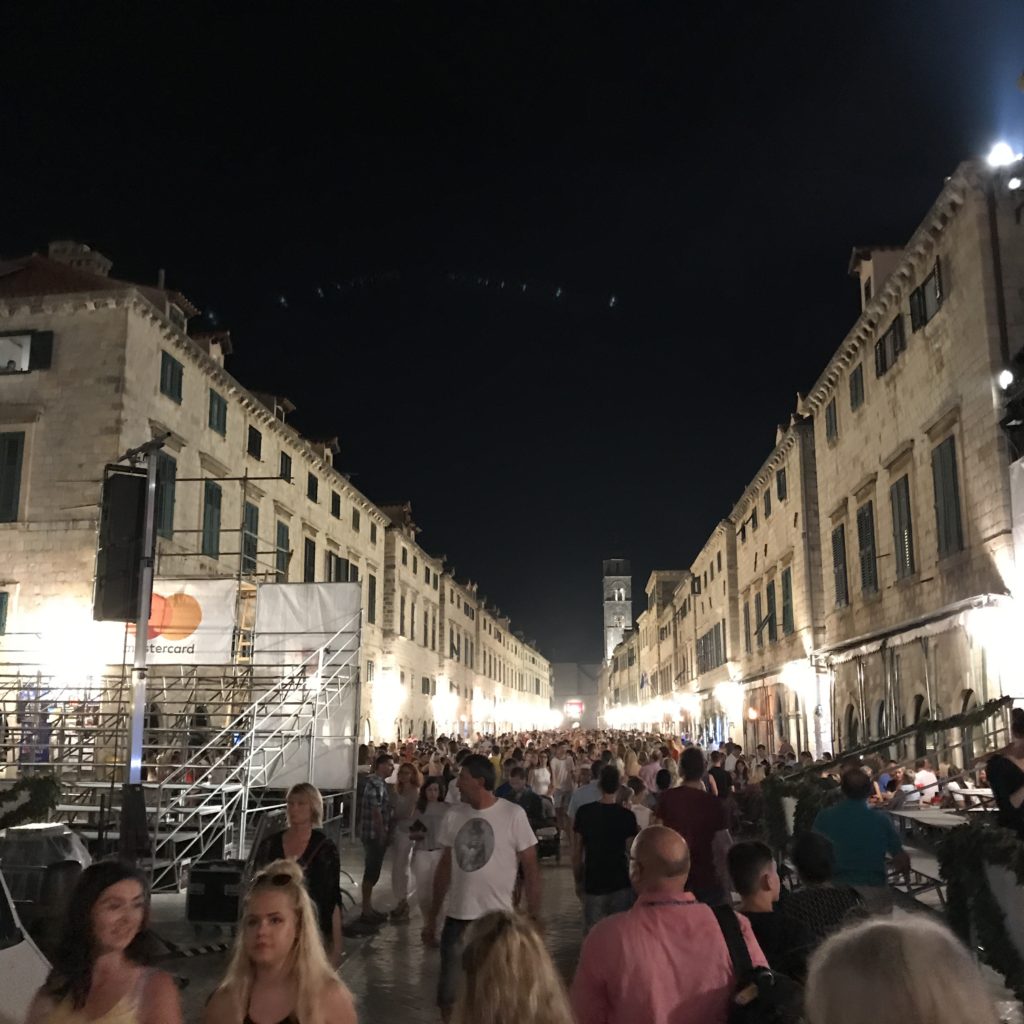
column 926, row 780
column 485, row 842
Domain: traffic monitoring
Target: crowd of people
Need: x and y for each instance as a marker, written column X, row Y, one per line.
column 683, row 909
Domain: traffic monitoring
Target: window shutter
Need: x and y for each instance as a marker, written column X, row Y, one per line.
column 211, row 519
column 903, row 528
column 166, row 477
column 40, row 353
column 787, row 601
column 866, row 548
column 839, row 565
column 4, row 598
column 948, row 524
column 12, row 449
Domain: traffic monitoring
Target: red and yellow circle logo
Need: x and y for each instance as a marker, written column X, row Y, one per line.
column 174, row 617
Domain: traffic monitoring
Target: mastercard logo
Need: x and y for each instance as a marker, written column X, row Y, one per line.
column 174, row 617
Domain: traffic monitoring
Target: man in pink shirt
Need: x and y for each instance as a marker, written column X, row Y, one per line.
column 665, row 961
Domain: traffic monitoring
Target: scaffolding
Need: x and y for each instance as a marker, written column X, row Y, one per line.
column 220, row 742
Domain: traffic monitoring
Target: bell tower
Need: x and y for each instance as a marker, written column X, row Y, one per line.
column 618, row 603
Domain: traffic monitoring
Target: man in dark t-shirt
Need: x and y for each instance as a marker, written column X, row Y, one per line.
column 600, row 860
column 700, row 819
column 723, row 780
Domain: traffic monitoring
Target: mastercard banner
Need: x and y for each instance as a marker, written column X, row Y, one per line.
column 191, row 622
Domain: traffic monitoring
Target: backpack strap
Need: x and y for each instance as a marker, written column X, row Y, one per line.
column 733, row 935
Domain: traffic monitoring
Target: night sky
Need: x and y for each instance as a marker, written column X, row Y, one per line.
column 397, row 172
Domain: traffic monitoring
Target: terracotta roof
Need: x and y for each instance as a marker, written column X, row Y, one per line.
column 38, row 275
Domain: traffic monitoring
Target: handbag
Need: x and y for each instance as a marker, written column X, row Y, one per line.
column 762, row 996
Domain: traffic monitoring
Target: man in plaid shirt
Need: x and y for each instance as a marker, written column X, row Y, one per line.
column 375, row 814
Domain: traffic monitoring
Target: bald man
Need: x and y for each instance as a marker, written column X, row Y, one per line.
column 665, row 961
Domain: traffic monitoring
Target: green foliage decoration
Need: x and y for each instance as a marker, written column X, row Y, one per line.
column 43, row 792
column 971, row 909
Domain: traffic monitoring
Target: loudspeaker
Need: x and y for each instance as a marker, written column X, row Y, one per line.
column 119, row 555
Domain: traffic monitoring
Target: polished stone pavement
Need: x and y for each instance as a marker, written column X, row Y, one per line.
column 391, row 974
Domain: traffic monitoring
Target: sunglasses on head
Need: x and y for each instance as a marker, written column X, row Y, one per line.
column 280, row 879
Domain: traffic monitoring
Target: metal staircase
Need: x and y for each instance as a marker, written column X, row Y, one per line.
column 203, row 807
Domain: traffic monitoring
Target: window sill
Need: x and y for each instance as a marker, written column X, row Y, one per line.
column 956, row 560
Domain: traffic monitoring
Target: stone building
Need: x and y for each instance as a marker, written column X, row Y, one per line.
column 96, row 366
column 618, row 602
column 865, row 580
column 912, row 467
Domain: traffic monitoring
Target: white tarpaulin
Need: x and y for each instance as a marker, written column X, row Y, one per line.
column 294, row 620
column 191, row 622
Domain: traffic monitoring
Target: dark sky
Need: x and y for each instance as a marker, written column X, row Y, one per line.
column 710, row 165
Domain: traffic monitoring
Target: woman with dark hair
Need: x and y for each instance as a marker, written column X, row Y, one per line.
column 1006, row 776
column 431, row 809
column 100, row 972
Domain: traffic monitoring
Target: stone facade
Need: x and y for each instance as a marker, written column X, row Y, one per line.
column 877, row 586
column 121, row 368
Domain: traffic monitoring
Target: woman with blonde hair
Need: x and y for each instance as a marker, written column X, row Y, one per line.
column 316, row 854
column 919, row 974
column 279, row 970
column 404, row 797
column 508, row 976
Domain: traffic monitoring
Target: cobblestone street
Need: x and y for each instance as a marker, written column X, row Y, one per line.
column 391, row 974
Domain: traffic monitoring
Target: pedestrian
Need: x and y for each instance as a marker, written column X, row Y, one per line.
column 538, row 778
column 508, row 975
column 519, row 793
column 375, row 831
column 600, row 852
column 907, row 971
column 589, row 793
column 316, row 853
column 485, row 840
column 425, row 834
column 1005, row 771
column 637, row 805
column 405, row 796
column 862, row 838
column 700, row 819
column 101, row 972
column 278, row 969
column 562, row 767
column 664, row 961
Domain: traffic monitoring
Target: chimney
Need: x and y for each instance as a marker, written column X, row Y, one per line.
column 79, row 256
column 872, row 265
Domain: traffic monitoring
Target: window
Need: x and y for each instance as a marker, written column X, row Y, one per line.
column 22, row 351
column 949, row 527
column 415, row 565
column 211, row 518
column 369, row 671
column 425, row 686
column 254, row 444
column 312, row 487
column 12, row 451
column 787, row 602
column 283, row 552
column 857, row 386
column 405, row 556
column 308, row 560
column 171, row 373
column 746, row 627
column 781, row 484
column 166, row 477
column 758, row 621
column 353, row 572
column 218, row 413
column 412, row 620
column 719, row 561
column 839, row 565
column 767, row 503
column 401, row 615
column 433, row 580
column 711, row 648
column 426, row 627
column 773, row 627
column 373, row 533
column 335, row 504
column 902, row 528
column 831, row 422
column 355, row 519
column 433, row 631
column 337, row 568
column 866, row 548
column 4, row 602
column 753, row 518
column 426, row 574
column 889, row 346
column 926, row 299
column 250, row 531
column 371, row 598
column 285, row 472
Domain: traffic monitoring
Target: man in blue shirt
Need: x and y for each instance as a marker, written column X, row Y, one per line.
column 588, row 794
column 862, row 838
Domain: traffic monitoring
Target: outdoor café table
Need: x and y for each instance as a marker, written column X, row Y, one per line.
column 927, row 818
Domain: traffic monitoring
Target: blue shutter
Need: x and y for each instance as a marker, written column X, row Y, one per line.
column 211, row 519
column 787, row 601
column 283, row 545
column 250, row 533
column 12, row 451
column 949, row 526
column 839, row 565
column 166, row 476
column 866, row 548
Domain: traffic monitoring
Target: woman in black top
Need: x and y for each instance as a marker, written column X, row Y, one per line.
column 316, row 854
column 1006, row 776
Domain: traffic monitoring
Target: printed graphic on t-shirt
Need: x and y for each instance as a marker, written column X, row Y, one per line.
column 474, row 844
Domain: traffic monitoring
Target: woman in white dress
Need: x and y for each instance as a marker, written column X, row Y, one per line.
column 538, row 774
